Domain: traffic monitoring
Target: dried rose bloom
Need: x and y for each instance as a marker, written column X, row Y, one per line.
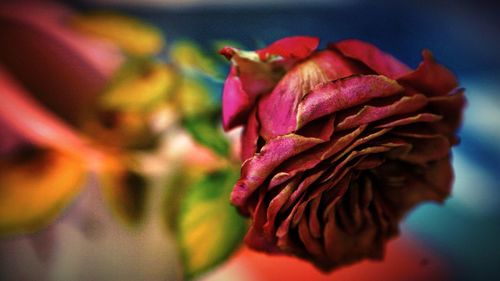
column 338, row 145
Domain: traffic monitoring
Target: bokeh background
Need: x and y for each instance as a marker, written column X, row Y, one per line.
column 455, row 241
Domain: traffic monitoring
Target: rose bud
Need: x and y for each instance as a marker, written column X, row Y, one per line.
column 338, row 145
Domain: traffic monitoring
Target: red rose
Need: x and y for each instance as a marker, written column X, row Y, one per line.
column 338, row 145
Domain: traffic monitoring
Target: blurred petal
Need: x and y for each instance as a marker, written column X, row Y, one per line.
column 10, row 140
column 193, row 98
column 29, row 120
column 189, row 56
column 132, row 35
column 140, row 90
column 124, row 190
column 65, row 70
column 34, row 191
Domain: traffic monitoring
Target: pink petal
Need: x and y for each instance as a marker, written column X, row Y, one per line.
column 421, row 117
column 236, row 101
column 246, row 81
column 371, row 113
column 302, row 163
column 30, row 121
column 382, row 63
column 297, row 47
column 256, row 169
column 277, row 203
column 344, row 93
column 278, row 110
column 430, row 77
column 250, row 136
column 66, row 70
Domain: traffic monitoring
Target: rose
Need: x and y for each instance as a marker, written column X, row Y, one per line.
column 338, row 145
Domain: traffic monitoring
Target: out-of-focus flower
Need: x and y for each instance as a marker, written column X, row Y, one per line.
column 69, row 109
column 131, row 35
column 43, row 161
column 338, row 145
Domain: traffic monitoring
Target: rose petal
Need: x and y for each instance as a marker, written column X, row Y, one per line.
column 430, row 183
column 422, row 117
column 370, row 113
column 278, row 110
column 426, row 150
column 312, row 245
column 256, row 237
column 248, row 79
column 256, row 169
column 250, row 136
column 314, row 223
column 277, row 203
column 372, row 57
column 343, row 93
column 236, row 101
column 297, row 47
column 430, row 77
column 451, row 108
column 308, row 161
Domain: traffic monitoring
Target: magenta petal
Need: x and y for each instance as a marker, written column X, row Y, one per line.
column 372, row 57
column 430, row 77
column 422, row 117
column 276, row 204
column 278, row 110
column 65, row 70
column 370, row 113
column 236, row 101
column 10, row 140
column 296, row 47
column 250, row 136
column 256, row 238
column 256, row 169
column 301, row 163
column 344, row 93
column 247, row 80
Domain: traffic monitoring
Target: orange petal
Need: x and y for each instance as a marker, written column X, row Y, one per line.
column 33, row 192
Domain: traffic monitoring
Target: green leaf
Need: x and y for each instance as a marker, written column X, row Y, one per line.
column 139, row 86
column 193, row 97
column 125, row 192
column 182, row 177
column 209, row 229
column 190, row 57
column 206, row 132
